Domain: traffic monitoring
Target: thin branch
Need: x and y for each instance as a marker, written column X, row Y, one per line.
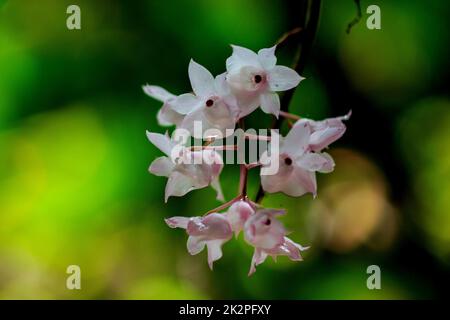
column 243, row 174
column 225, row 205
column 284, row 39
column 357, row 18
column 288, row 115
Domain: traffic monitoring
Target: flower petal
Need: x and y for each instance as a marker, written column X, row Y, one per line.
column 186, row 103
column 241, row 57
column 177, row 222
column 267, row 57
column 237, row 215
column 297, row 140
column 215, row 184
column 202, row 81
column 221, row 85
column 196, row 123
column 259, row 256
column 282, row 78
column 327, row 131
column 305, row 181
column 195, row 245
column 178, row 185
column 294, row 182
column 321, row 162
column 162, row 167
column 270, row 103
column 161, row 141
column 263, row 230
column 166, row 116
column 214, row 251
column 157, row 93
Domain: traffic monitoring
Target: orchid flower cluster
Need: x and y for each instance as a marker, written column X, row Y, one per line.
column 211, row 112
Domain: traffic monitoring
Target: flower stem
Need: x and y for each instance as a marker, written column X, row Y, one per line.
column 243, row 180
column 225, row 205
column 288, row 115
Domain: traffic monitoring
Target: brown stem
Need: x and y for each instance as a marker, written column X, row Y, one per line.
column 225, row 205
column 288, row 36
column 288, row 115
column 243, row 180
column 308, row 23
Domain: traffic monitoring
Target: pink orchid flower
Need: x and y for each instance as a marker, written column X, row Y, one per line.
column 255, row 79
column 264, row 232
column 211, row 231
column 297, row 163
column 191, row 170
column 212, row 104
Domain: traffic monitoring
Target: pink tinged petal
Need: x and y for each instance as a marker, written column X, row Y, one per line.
column 197, row 169
column 237, row 215
column 195, row 245
column 202, row 81
column 282, row 78
column 166, row 116
column 270, row 103
column 213, row 159
column 323, row 138
column 292, row 251
column 259, row 256
column 241, row 57
column 221, row 85
column 272, row 212
column 186, row 103
column 157, row 93
column 220, row 116
column 275, row 182
column 215, row 184
column 288, row 248
column 327, row 131
column 178, row 185
column 267, row 57
column 329, row 165
column 177, row 222
column 263, row 230
column 161, row 141
column 290, row 180
column 162, row 167
column 247, row 103
column 211, row 227
column 214, row 251
column 297, row 140
column 306, row 181
column 321, row 162
column 196, row 123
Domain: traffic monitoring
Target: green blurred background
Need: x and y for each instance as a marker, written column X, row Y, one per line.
column 74, row 186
